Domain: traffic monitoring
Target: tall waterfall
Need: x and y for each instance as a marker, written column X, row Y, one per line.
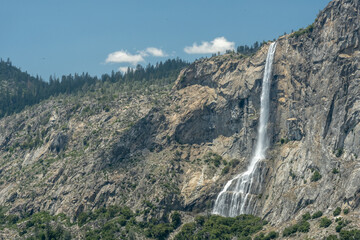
column 240, row 193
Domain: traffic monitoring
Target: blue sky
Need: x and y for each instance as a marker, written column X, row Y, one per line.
column 63, row 37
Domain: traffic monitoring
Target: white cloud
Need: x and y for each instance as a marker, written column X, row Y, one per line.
column 219, row 44
column 124, row 57
column 156, row 52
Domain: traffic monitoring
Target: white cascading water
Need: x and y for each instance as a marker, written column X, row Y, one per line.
column 239, row 194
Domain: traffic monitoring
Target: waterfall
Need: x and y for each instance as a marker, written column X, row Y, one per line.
column 240, row 193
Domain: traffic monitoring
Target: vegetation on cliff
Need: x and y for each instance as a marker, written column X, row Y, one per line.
column 18, row 89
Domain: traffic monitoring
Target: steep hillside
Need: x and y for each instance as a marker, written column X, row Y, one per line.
column 18, row 89
column 158, row 150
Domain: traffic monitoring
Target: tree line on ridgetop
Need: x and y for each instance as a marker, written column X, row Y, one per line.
column 19, row 89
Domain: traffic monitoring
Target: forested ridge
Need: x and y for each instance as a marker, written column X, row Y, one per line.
column 19, row 89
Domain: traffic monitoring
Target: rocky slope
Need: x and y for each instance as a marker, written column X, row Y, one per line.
column 176, row 150
column 316, row 107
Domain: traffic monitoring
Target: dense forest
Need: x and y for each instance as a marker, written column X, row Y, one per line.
column 18, row 89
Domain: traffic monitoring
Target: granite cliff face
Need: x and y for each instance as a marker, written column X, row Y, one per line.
column 314, row 123
column 180, row 153
column 316, row 108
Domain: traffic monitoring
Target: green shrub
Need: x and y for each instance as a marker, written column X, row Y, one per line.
column 306, row 216
column 270, row 235
column 316, row 176
column 341, row 224
column 346, row 211
column 234, row 163
column 317, row 215
column 302, row 31
column 200, row 220
column 12, row 219
column 273, row 235
column 335, row 171
column 225, row 170
column 50, row 232
column 82, row 218
column 186, row 231
column 213, row 158
column 303, row 226
column 290, row 230
column 337, row 211
column 348, row 235
column 325, row 222
column 160, row 231
column 175, row 219
column 217, row 227
column 339, row 152
column 338, row 228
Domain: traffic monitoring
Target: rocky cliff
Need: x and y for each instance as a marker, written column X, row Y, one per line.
column 176, row 151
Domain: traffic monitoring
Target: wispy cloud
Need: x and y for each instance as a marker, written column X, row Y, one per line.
column 124, row 57
column 156, row 52
column 219, row 44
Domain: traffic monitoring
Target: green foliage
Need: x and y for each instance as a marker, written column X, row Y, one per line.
column 21, row 89
column 40, row 225
column 200, row 220
column 302, row 226
column 176, row 219
column 217, row 227
column 337, row 211
column 49, row 232
column 325, row 222
column 12, row 219
column 270, row 235
column 234, row 163
column 159, row 231
column 104, row 213
column 82, row 218
column 316, row 176
column 317, row 215
column 187, row 231
column 248, row 50
column 350, row 235
column 225, row 170
column 302, row 31
column 213, row 158
column 290, row 230
column 346, row 211
column 339, row 152
column 109, row 221
column 338, row 228
column 335, row 171
column 341, row 224
column 306, row 216
column 115, row 221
